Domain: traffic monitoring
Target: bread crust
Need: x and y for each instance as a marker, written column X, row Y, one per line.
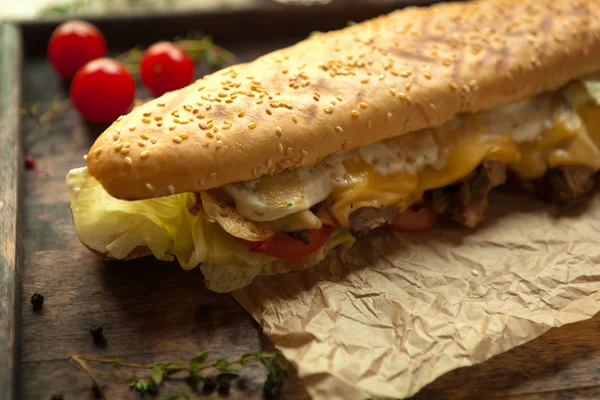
column 399, row 73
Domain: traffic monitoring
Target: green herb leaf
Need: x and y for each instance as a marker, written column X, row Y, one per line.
column 174, row 364
column 172, row 396
column 187, row 395
column 157, row 375
column 197, row 376
column 350, row 23
column 198, row 360
column 200, row 357
column 143, row 386
column 286, row 206
column 223, row 366
column 277, row 371
column 314, row 33
column 116, row 363
column 259, row 213
column 247, row 358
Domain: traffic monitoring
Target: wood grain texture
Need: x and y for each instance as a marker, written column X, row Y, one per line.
column 10, row 163
column 564, row 363
column 153, row 311
column 150, row 311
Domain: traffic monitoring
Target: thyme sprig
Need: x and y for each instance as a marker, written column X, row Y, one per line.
column 56, row 107
column 277, row 368
column 200, row 48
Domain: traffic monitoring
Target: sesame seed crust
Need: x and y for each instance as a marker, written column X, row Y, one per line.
column 423, row 64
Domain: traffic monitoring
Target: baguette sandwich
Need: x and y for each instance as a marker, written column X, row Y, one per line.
column 401, row 121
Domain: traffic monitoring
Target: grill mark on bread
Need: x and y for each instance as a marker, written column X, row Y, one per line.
column 311, row 111
column 412, row 41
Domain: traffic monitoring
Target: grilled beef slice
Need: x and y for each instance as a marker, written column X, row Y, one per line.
column 366, row 219
column 567, row 185
column 467, row 200
column 464, row 201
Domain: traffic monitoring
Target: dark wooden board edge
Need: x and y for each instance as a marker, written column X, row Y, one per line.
column 10, row 195
column 258, row 20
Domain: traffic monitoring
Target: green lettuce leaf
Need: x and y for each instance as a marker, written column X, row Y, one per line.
column 584, row 90
column 592, row 85
column 229, row 277
column 165, row 226
column 116, row 227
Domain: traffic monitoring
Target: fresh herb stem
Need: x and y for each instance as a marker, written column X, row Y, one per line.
column 199, row 48
column 171, row 368
column 84, row 366
column 275, row 364
column 53, row 111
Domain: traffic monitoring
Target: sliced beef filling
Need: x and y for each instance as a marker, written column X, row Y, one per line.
column 567, row 185
column 366, row 219
column 302, row 236
column 467, row 200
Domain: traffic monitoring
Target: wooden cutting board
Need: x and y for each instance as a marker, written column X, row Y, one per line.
column 152, row 311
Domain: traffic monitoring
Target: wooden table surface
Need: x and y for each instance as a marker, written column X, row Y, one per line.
column 153, row 311
column 150, row 311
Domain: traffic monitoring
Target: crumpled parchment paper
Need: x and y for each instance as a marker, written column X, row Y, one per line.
column 417, row 305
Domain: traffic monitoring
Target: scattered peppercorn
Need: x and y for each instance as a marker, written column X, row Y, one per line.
column 192, row 381
column 209, row 384
column 29, row 162
column 272, row 393
column 97, row 334
column 224, row 388
column 97, row 392
column 242, row 384
column 37, row 300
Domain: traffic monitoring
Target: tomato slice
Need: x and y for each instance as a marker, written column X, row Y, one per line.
column 285, row 247
column 415, row 220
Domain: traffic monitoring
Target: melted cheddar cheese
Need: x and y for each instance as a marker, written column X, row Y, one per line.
column 529, row 137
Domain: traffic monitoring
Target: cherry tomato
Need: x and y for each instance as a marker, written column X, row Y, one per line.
column 73, row 44
column 286, row 247
column 165, row 67
column 415, row 220
column 102, row 90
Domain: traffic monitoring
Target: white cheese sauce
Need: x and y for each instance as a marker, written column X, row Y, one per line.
column 525, row 121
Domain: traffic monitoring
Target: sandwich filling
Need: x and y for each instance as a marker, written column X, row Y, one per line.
column 410, row 182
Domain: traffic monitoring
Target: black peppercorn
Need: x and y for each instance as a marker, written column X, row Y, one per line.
column 273, row 392
column 224, row 388
column 37, row 300
column 97, row 392
column 209, row 384
column 242, row 384
column 97, row 334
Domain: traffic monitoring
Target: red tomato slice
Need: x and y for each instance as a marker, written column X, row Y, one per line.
column 285, row 247
column 415, row 220
column 166, row 67
column 102, row 90
column 73, row 44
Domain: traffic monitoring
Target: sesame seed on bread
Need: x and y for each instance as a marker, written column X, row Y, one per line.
column 395, row 74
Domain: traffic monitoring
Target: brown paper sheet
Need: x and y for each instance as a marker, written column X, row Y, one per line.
column 419, row 305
